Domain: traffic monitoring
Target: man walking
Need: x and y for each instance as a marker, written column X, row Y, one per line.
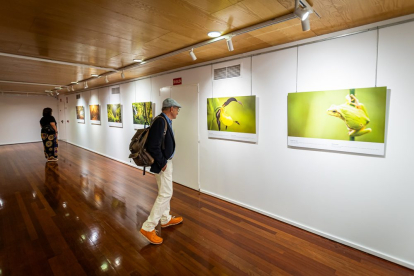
column 161, row 146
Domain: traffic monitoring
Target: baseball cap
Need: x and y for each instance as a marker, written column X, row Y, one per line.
column 168, row 102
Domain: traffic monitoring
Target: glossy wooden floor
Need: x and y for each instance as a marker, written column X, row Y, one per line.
column 81, row 216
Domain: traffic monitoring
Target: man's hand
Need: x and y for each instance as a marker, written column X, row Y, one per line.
column 163, row 169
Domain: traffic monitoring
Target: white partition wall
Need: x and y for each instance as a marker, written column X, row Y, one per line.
column 349, row 62
column 362, row 201
column 21, row 118
column 394, row 189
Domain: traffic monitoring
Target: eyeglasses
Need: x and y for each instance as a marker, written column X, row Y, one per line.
column 178, row 108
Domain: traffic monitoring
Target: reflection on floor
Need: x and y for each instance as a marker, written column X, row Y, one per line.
column 81, row 216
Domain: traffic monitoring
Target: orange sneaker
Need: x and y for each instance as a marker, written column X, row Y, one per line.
column 152, row 236
column 173, row 221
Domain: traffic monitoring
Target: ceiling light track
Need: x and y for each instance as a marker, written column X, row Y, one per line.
column 21, row 92
column 228, row 37
column 270, row 22
column 56, row 61
column 32, row 83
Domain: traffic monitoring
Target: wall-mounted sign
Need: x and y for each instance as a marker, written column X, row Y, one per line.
column 177, row 81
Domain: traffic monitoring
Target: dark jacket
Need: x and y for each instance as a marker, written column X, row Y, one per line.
column 154, row 144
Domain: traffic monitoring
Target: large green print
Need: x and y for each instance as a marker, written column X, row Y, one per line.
column 142, row 113
column 232, row 114
column 114, row 113
column 349, row 114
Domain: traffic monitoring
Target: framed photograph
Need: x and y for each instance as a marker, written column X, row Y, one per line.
column 95, row 114
column 80, row 114
column 232, row 118
column 114, row 115
column 348, row 120
column 142, row 114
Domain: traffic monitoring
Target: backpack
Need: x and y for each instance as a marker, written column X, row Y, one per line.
column 137, row 146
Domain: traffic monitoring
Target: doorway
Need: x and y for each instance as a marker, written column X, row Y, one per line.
column 185, row 127
column 62, row 118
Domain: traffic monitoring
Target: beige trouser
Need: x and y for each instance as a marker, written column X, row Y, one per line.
column 161, row 208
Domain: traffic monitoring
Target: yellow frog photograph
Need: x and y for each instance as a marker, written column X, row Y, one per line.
column 348, row 114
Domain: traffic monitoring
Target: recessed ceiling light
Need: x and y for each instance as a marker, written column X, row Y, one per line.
column 137, row 60
column 95, row 75
column 74, row 82
column 214, row 34
column 58, row 87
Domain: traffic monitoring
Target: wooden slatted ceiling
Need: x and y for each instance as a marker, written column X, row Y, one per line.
column 111, row 33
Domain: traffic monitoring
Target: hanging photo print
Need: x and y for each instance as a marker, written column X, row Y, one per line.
column 114, row 115
column 142, row 114
column 80, row 114
column 349, row 120
column 95, row 113
column 232, row 118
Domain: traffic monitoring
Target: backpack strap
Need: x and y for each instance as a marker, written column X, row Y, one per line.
column 165, row 129
column 165, row 132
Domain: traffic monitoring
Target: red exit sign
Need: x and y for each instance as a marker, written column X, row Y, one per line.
column 177, row 81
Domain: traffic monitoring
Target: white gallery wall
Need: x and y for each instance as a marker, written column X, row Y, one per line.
column 21, row 116
column 359, row 200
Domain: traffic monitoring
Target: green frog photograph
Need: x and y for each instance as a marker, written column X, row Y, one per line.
column 348, row 114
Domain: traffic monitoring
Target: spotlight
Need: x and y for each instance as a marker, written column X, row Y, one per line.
column 214, row 34
column 73, row 89
column 67, row 88
column 86, row 85
column 303, row 14
column 305, row 25
column 106, row 79
column 57, row 93
column 230, row 44
column 193, row 56
column 123, row 75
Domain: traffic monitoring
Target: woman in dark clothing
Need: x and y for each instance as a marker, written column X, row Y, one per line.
column 49, row 135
